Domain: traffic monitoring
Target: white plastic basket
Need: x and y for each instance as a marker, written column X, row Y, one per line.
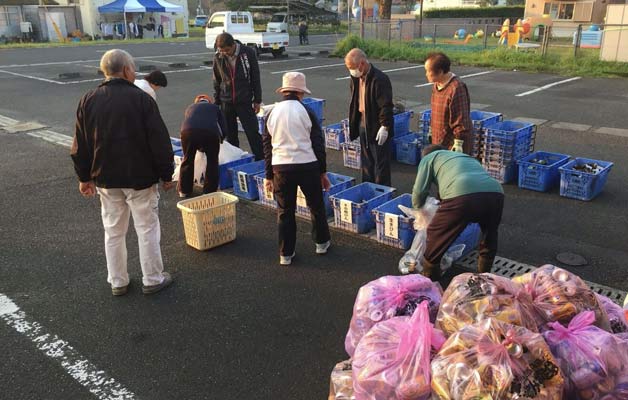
column 209, row 220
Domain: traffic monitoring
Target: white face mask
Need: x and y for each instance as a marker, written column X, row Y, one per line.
column 356, row 73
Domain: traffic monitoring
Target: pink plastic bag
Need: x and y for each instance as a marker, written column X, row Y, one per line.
column 559, row 295
column 594, row 362
column 470, row 298
column 387, row 297
column 616, row 316
column 495, row 360
column 392, row 361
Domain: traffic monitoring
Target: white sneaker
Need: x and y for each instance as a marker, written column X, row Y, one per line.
column 286, row 260
column 321, row 248
column 182, row 195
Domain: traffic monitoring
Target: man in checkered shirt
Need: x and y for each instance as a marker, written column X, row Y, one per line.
column 451, row 115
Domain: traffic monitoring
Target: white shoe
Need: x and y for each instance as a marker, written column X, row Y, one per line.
column 286, row 260
column 321, row 248
column 182, row 195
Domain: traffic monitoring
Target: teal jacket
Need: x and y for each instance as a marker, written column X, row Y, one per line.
column 455, row 174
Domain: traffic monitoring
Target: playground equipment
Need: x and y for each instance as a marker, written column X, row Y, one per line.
column 510, row 39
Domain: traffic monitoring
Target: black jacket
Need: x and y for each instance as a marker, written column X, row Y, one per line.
column 241, row 86
column 120, row 140
column 378, row 106
column 204, row 117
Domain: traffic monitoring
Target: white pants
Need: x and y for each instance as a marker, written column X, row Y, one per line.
column 116, row 207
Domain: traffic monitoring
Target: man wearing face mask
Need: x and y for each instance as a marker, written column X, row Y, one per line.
column 451, row 116
column 371, row 116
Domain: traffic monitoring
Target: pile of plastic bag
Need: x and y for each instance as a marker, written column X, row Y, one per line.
column 544, row 335
column 227, row 153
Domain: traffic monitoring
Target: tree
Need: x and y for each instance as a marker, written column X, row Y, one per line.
column 384, row 9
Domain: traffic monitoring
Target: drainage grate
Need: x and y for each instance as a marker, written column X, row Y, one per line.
column 509, row 269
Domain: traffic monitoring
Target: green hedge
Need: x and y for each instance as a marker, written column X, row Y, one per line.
column 489, row 12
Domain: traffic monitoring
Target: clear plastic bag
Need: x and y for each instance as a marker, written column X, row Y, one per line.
column 393, row 360
column 200, row 165
column 341, row 386
column 495, row 360
column 558, row 295
column 422, row 218
column 228, row 153
column 593, row 361
column 470, row 298
column 616, row 316
column 388, row 297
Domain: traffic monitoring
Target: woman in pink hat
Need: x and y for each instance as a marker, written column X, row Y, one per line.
column 294, row 151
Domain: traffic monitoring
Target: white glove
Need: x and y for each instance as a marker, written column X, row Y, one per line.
column 458, row 145
column 382, row 135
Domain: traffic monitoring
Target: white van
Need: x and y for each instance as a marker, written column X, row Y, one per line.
column 280, row 22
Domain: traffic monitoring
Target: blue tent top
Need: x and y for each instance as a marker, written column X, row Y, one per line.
column 140, row 6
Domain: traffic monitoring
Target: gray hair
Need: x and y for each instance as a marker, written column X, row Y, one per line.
column 113, row 62
column 355, row 55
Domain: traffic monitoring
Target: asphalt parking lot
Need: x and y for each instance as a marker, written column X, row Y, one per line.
column 235, row 325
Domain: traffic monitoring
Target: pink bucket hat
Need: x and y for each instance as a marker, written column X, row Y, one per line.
column 293, row 82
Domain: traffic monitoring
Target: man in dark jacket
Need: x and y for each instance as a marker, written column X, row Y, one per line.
column 371, row 116
column 238, row 90
column 201, row 130
column 121, row 150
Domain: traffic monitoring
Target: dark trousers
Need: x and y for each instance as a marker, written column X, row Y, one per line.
column 285, row 191
column 375, row 160
column 303, row 38
column 455, row 214
column 208, row 142
column 249, row 123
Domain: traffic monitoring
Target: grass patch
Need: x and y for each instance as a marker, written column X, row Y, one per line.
column 587, row 63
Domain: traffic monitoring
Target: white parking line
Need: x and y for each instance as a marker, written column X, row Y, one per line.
column 98, row 60
column 547, row 86
column 463, row 76
column 306, row 68
column 31, row 77
column 53, row 137
column 388, row 70
column 6, row 121
column 78, row 367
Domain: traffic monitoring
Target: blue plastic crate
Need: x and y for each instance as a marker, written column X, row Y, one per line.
column 409, row 148
column 502, row 173
column 402, row 123
column 351, row 154
column 266, row 199
column 225, row 177
column 480, row 119
column 393, row 227
column 176, row 146
column 509, row 130
column 316, row 106
column 353, row 206
column 338, row 184
column 334, row 136
column 470, row 237
column 541, row 177
column 581, row 185
column 243, row 178
column 505, row 152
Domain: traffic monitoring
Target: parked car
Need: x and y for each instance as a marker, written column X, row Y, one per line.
column 280, row 22
column 200, row 20
column 240, row 25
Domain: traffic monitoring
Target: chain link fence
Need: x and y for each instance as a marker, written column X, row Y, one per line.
column 581, row 40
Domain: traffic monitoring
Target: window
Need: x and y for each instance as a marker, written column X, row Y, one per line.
column 582, row 12
column 9, row 16
column 217, row 22
column 239, row 19
column 565, row 11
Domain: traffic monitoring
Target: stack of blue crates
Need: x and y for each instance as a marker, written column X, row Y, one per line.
column 505, row 143
column 353, row 206
column 424, row 126
column 480, row 120
column 402, row 128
